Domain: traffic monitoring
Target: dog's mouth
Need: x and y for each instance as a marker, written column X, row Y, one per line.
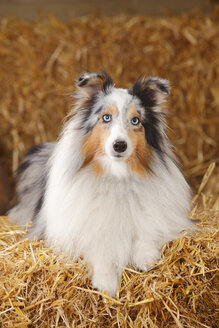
column 118, row 156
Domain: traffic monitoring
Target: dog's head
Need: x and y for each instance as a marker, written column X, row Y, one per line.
column 121, row 125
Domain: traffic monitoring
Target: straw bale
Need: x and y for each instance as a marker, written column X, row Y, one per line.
column 38, row 64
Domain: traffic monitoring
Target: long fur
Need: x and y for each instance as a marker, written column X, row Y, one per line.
column 86, row 201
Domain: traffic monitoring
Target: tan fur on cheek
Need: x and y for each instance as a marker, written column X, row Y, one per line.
column 140, row 159
column 93, row 148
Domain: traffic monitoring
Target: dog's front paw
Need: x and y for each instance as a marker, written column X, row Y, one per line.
column 105, row 282
column 144, row 259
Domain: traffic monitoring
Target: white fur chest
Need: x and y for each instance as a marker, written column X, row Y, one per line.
column 114, row 219
column 93, row 212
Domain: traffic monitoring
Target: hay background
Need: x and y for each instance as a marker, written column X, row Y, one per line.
column 38, row 64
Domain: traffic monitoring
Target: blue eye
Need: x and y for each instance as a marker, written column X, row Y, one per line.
column 107, row 118
column 135, row 121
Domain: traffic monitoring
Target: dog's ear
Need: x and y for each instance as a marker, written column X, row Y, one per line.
column 90, row 84
column 151, row 91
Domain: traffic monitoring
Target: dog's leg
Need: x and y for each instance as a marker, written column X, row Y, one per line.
column 145, row 254
column 105, row 278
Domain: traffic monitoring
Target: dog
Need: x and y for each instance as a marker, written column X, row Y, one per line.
column 109, row 189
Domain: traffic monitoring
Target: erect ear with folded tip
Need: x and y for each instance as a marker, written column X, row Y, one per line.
column 90, row 84
column 152, row 91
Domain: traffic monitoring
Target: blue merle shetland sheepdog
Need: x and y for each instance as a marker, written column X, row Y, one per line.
column 109, row 189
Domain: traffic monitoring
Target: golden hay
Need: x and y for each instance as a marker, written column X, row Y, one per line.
column 38, row 64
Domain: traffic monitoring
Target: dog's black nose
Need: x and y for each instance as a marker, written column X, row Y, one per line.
column 120, row 146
